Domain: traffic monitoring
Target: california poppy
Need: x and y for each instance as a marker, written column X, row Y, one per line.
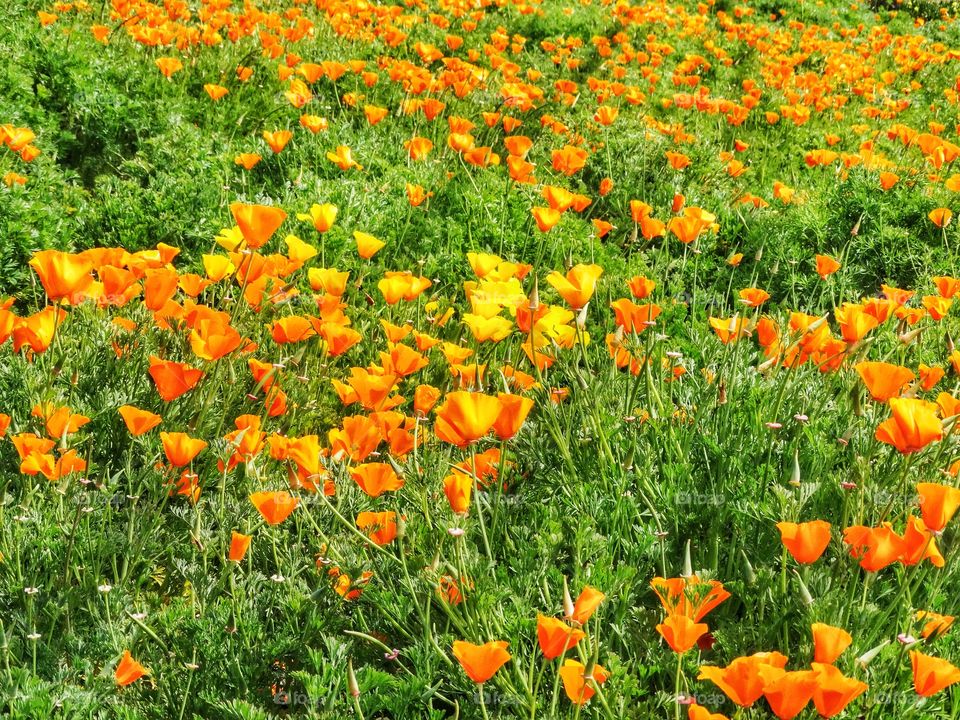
column 938, row 503
column 64, row 276
column 914, row 425
column 381, row 527
column 128, row 670
column 741, row 680
column 932, row 674
column 376, row 478
column 173, row 379
column 680, row 632
column 829, row 642
column 805, row 541
column 556, row 637
column 834, row 690
column 578, row 285
column 481, row 662
column 576, row 684
column 788, row 693
column 275, row 507
column 586, row 604
column 826, row 266
column 180, row 448
column 465, row 417
column 257, row 222
column 238, row 546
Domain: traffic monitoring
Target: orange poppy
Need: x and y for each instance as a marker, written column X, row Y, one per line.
column 931, row 674
column 834, row 690
column 914, row 425
column 180, row 448
column 381, row 527
column 376, row 478
column 829, row 642
column 805, row 541
column 275, row 507
column 826, row 266
column 257, row 222
column 239, row 543
column 788, row 693
column 938, row 503
column 64, row 276
column 576, row 685
column 742, row 680
column 586, row 604
column 173, row 379
column 680, row 632
column 481, row 662
column 556, row 637
column 139, row 421
column 367, row 245
column 128, row 670
column 466, row 416
column 579, row 284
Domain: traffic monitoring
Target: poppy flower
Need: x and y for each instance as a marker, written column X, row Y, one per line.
column 168, row 66
column 257, row 223
column 789, row 692
column 139, row 421
column 936, row 624
column 458, row 487
column 216, row 92
column 367, row 245
column 381, row 527
column 481, row 662
column 128, row 670
column 938, row 503
column 513, row 412
column 173, row 379
column 741, row 680
column 576, row 685
column 586, row 604
column 829, row 642
column 932, row 674
column 376, row 478
column 941, row 217
column 556, row 637
column 826, row 266
column 805, row 541
column 277, row 139
column 275, row 507
column 578, row 285
column 876, row 548
column 698, row 712
column 546, row 217
column 180, row 448
column 920, row 544
column 914, row 425
column 64, row 276
column 342, row 157
column 465, row 417
column 681, row 633
column 691, row 596
column 239, row 543
column 321, row 216
column 834, row 690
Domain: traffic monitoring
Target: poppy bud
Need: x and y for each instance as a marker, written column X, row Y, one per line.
column 687, row 564
column 567, row 600
column 722, row 393
column 534, row 296
column 857, row 404
column 352, row 685
column 795, row 477
column 749, row 576
column 855, row 230
column 908, row 337
column 582, row 317
column 759, row 255
column 869, row 655
column 949, row 341
column 804, row 592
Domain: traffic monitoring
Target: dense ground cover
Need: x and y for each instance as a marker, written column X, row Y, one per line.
column 448, row 359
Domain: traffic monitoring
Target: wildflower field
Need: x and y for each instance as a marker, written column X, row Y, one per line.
column 479, row 359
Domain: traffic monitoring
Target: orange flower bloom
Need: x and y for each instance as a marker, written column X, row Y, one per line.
column 754, row 297
column 586, row 604
column 829, row 642
column 689, row 596
column 180, row 448
column 458, row 486
column 805, row 541
column 367, row 245
column 465, row 417
column 789, row 692
column 914, row 425
column 938, row 503
column 323, row 217
column 641, row 287
column 513, row 412
column 64, row 276
column 556, row 637
column 834, row 691
column 575, row 683
column 876, row 548
column 139, row 421
column 681, row 633
column 826, row 266
column 381, row 527
column 173, row 379
column 238, row 546
column 128, row 670
column 376, row 478
column 168, row 66
column 275, row 507
column 941, row 217
column 546, row 217
column 931, row 674
column 742, row 680
column 481, row 662
column 579, row 284
column 257, row 222
column 277, row 139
